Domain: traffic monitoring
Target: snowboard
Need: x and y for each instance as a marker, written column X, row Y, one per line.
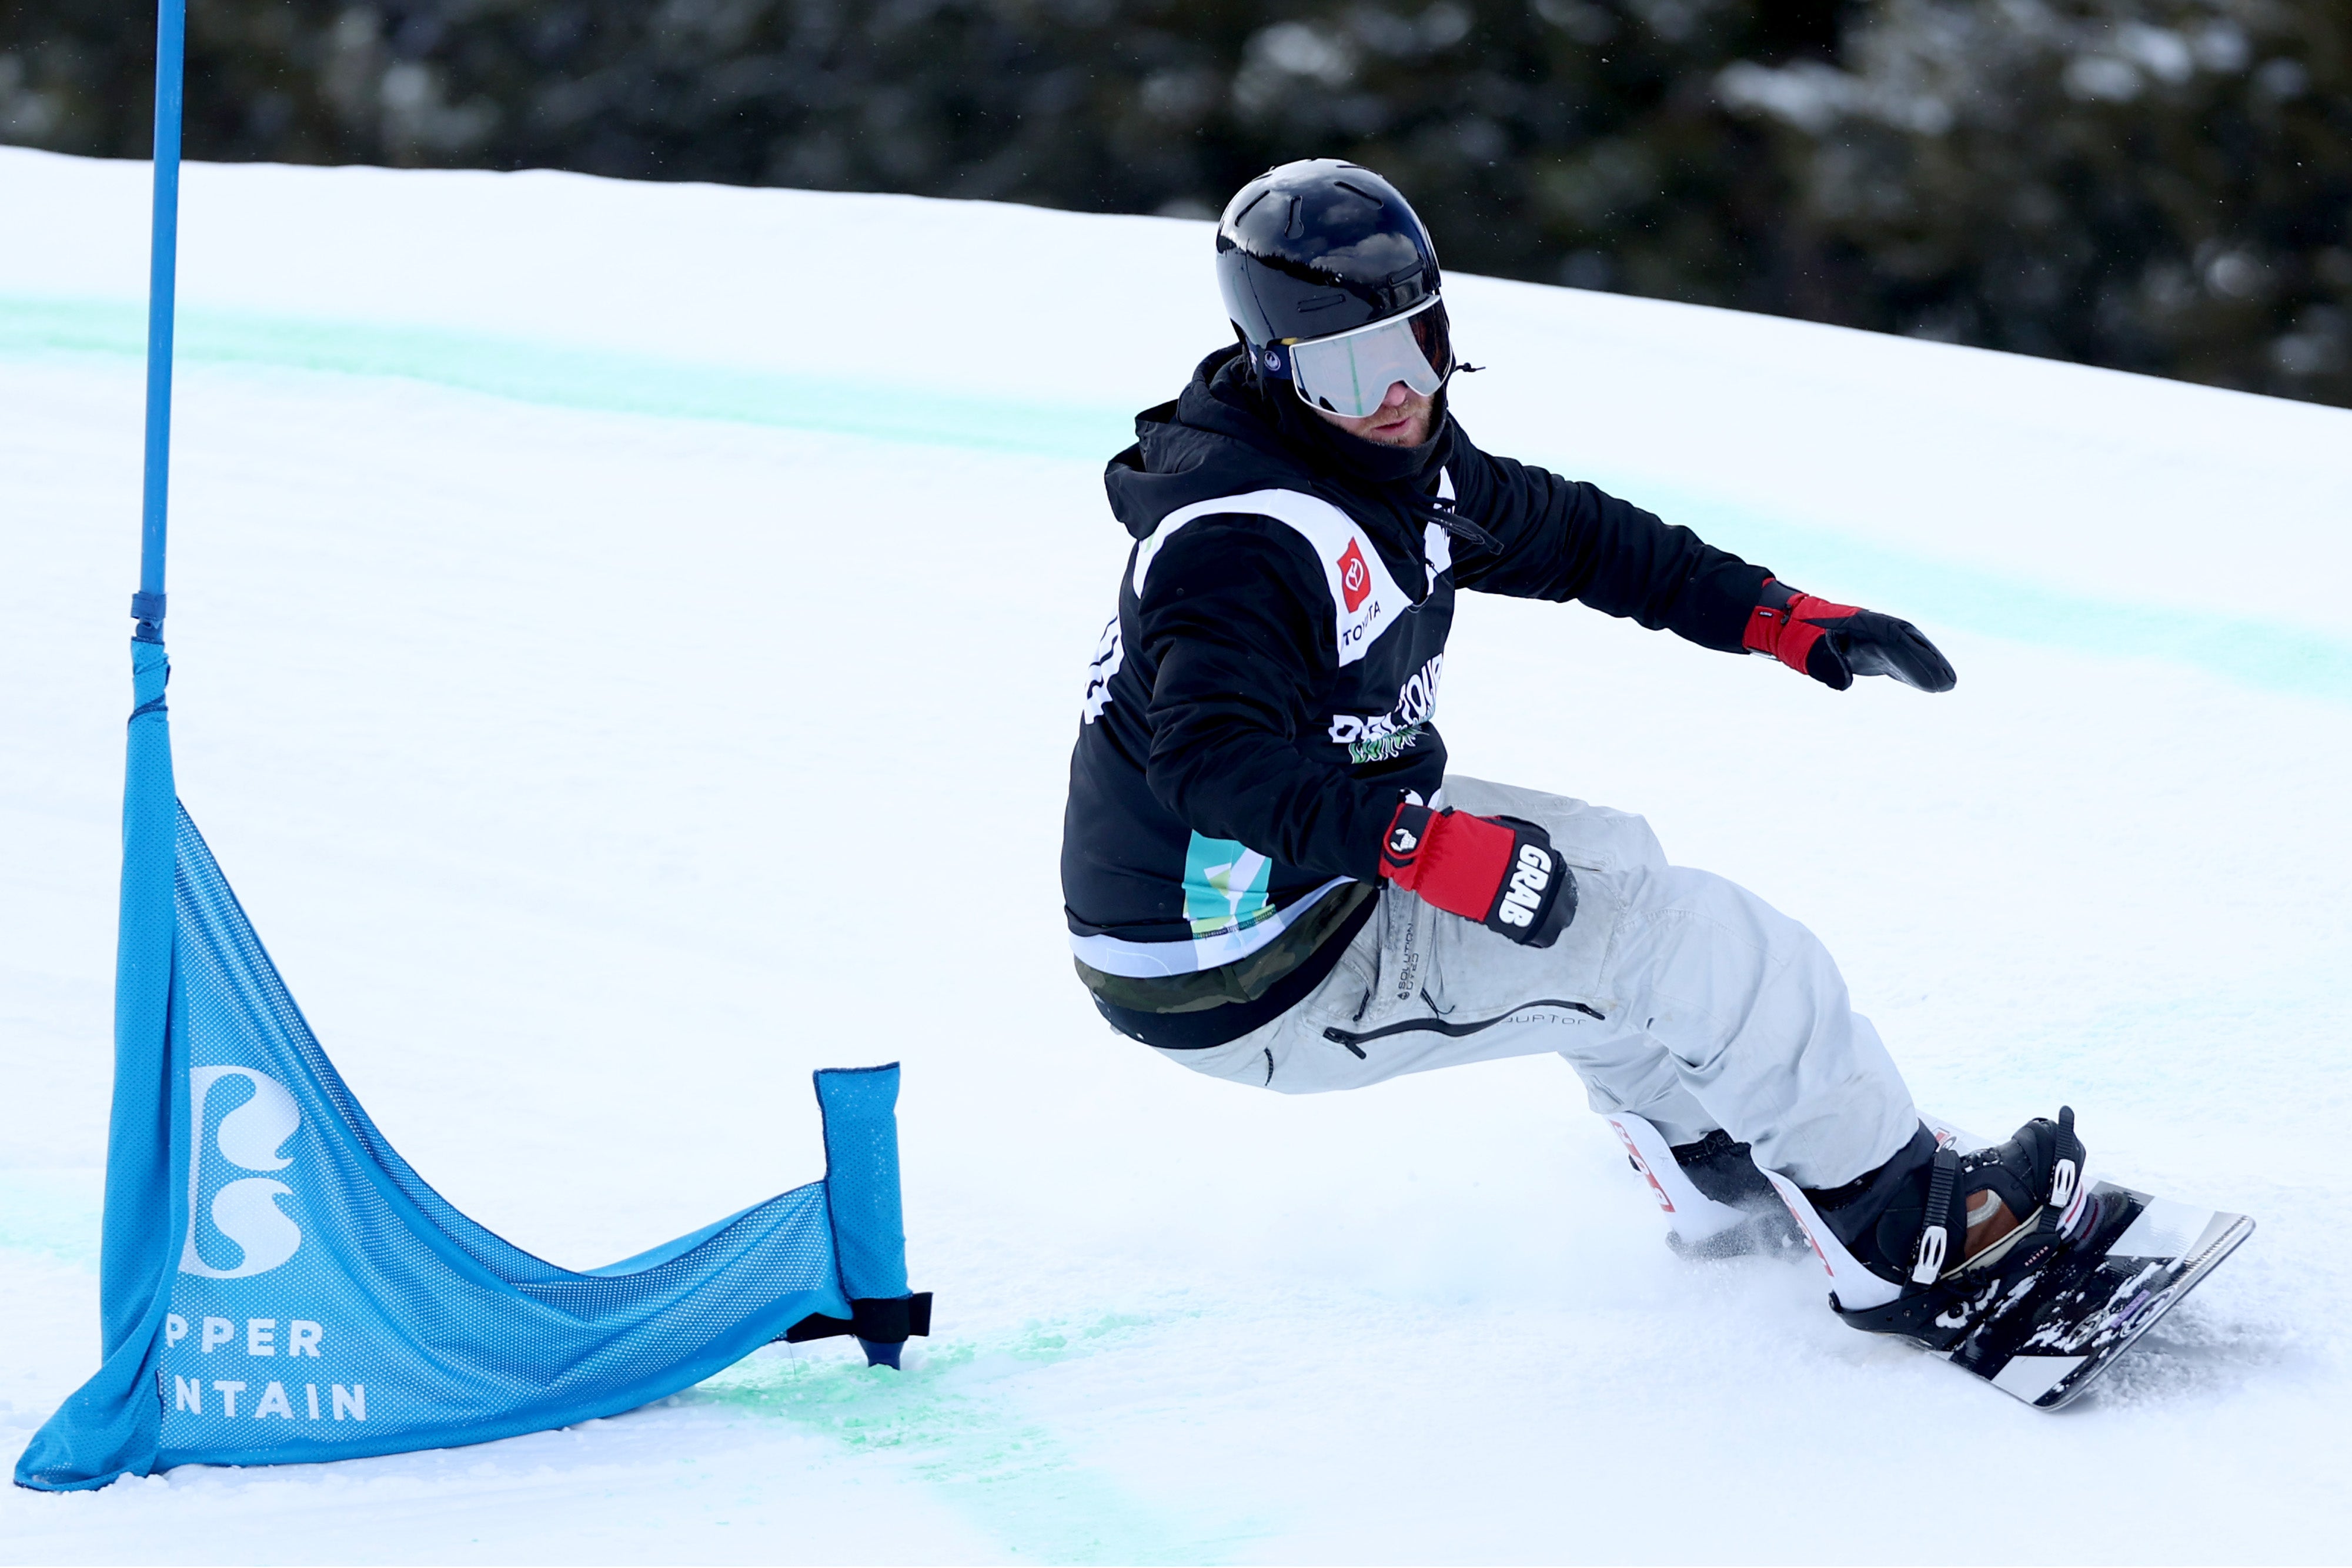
column 2042, row 1334
column 2064, row 1324
column 2060, row 1325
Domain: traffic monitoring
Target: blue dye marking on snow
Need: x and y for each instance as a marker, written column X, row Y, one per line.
column 2262, row 655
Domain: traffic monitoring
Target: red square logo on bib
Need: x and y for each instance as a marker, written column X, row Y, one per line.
column 1355, row 578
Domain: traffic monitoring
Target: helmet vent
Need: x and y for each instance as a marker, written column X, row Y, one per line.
column 1356, row 191
column 1296, row 228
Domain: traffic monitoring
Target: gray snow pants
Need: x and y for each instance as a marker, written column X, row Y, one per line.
column 1675, row 995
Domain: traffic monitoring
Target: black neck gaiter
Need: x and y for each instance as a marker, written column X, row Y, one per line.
column 1369, row 461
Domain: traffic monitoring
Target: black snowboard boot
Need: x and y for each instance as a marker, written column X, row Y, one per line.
column 1721, row 1169
column 1944, row 1225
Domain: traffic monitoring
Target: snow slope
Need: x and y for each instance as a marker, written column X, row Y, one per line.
column 561, row 571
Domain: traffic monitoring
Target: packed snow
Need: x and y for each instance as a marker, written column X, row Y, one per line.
column 627, row 642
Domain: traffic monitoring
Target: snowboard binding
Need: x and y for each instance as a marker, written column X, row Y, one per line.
column 2033, row 1183
column 1930, row 1242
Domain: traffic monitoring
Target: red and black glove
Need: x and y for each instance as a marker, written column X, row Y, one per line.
column 1497, row 870
column 1835, row 642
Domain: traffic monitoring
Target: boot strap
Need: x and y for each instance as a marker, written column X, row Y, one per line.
column 1936, row 1236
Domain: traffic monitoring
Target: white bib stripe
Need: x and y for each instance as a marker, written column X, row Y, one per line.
column 1365, row 600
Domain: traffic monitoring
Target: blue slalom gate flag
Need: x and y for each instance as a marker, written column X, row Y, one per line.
column 275, row 1284
column 279, row 1286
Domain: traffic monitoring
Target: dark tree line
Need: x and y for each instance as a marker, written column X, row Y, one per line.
column 2158, row 186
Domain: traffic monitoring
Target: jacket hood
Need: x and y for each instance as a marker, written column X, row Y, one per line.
column 1226, row 434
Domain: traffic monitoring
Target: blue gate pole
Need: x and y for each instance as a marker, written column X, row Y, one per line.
column 171, row 56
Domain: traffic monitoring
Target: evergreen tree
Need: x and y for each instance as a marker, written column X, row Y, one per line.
column 2161, row 185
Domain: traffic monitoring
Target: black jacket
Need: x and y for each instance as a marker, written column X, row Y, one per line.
column 1265, row 696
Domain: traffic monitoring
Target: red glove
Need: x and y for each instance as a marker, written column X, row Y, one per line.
column 1500, row 871
column 1835, row 642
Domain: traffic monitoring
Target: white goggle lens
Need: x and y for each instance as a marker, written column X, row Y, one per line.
column 1351, row 375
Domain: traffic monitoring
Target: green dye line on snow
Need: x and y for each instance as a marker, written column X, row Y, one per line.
column 555, row 376
column 955, row 1429
column 2260, row 654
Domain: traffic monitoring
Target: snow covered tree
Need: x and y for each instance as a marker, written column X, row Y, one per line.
column 2159, row 185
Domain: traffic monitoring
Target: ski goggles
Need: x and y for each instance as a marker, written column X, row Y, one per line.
column 1350, row 373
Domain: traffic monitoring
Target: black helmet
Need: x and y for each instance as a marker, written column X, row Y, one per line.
column 1320, row 247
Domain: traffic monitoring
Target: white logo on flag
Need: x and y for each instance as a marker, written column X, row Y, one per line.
column 246, row 1210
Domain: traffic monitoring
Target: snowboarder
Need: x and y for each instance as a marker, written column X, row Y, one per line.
column 1271, row 877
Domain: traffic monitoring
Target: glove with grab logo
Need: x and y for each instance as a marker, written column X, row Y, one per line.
column 1835, row 642
column 1498, row 871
